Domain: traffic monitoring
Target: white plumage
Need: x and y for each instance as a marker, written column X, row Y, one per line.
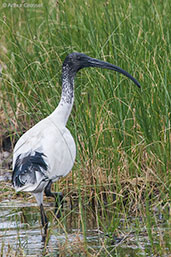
column 54, row 141
column 47, row 151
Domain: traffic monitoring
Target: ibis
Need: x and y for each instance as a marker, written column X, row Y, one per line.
column 47, row 151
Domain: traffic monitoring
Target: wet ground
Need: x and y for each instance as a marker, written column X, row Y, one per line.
column 20, row 230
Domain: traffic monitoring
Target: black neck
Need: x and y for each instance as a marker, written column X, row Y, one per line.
column 67, row 85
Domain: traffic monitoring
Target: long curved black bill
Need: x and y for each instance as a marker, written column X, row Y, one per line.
column 106, row 65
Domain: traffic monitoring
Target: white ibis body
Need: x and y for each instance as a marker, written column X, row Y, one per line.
column 47, row 151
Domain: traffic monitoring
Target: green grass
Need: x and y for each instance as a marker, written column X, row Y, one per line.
column 122, row 133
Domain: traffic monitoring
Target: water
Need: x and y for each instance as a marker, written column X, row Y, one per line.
column 20, row 230
column 20, row 233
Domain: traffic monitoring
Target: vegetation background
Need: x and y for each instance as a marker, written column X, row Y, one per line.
column 122, row 133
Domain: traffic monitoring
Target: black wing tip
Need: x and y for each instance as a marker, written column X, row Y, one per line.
column 26, row 166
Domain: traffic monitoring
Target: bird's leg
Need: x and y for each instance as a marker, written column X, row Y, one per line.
column 58, row 198
column 44, row 221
